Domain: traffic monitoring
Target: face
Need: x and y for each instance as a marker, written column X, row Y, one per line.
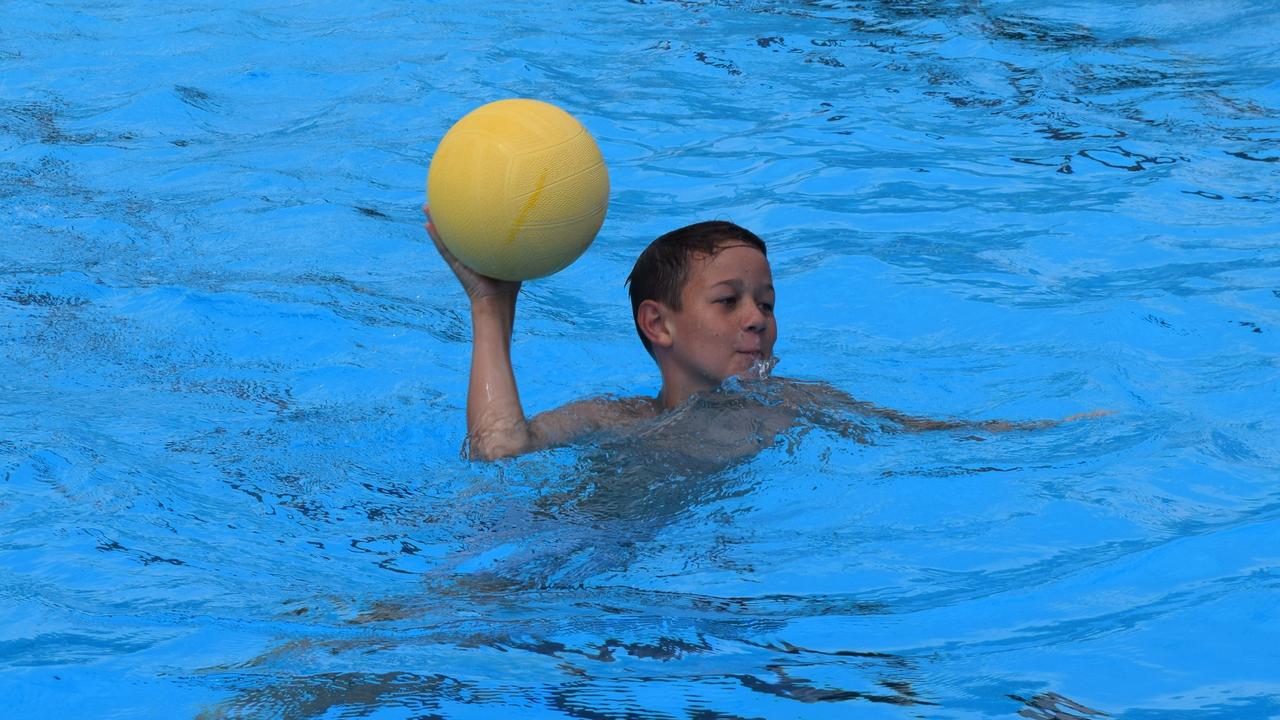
column 726, row 320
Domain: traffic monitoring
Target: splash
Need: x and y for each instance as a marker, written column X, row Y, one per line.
column 760, row 369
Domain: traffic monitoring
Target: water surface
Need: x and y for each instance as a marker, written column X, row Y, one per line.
column 233, row 370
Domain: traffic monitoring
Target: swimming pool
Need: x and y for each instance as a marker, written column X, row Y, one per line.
column 233, row 369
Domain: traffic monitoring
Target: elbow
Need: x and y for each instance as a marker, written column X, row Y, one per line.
column 487, row 448
column 486, row 453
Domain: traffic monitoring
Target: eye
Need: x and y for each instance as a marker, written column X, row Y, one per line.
column 766, row 307
column 731, row 300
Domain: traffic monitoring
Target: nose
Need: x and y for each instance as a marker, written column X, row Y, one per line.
column 753, row 318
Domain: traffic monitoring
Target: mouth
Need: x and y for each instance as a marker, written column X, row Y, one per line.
column 758, row 365
column 750, row 358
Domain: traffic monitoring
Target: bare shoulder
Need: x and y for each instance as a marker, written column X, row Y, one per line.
column 578, row 418
column 609, row 411
column 822, row 400
column 820, row 393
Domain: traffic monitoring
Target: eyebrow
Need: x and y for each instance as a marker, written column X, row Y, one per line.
column 736, row 284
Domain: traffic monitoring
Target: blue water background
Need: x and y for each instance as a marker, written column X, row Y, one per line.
column 232, row 369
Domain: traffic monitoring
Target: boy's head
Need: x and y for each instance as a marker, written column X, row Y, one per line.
column 702, row 298
column 662, row 269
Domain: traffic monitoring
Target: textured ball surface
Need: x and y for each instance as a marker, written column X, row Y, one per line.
column 518, row 189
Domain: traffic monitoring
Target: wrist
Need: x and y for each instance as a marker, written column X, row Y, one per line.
column 498, row 302
column 493, row 316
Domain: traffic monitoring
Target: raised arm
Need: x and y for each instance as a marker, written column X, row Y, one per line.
column 496, row 423
column 496, row 426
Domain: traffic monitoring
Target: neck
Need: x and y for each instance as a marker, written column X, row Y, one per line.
column 676, row 390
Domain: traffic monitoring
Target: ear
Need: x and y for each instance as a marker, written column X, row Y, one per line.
column 651, row 318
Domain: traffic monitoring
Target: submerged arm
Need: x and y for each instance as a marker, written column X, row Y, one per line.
column 830, row 396
column 919, row 424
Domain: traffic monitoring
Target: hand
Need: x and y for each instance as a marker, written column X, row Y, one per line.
column 476, row 285
column 1002, row 426
column 1088, row 415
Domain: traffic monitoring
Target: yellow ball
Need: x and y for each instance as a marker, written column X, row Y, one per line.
column 518, row 189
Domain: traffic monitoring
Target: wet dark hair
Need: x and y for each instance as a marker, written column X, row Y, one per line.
column 662, row 269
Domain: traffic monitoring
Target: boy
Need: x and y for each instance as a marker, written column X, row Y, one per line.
column 702, row 299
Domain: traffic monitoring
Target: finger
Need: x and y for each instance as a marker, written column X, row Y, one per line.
column 443, row 249
column 430, row 225
column 435, row 234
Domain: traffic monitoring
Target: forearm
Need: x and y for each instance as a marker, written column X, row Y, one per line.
column 823, row 395
column 924, row 424
column 912, row 423
column 496, row 425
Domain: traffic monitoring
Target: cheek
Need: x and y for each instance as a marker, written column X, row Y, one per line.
column 712, row 326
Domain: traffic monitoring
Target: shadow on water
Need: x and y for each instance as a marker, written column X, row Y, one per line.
column 1052, row 706
column 578, row 689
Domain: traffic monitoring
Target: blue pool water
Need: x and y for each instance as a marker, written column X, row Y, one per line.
column 232, row 369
